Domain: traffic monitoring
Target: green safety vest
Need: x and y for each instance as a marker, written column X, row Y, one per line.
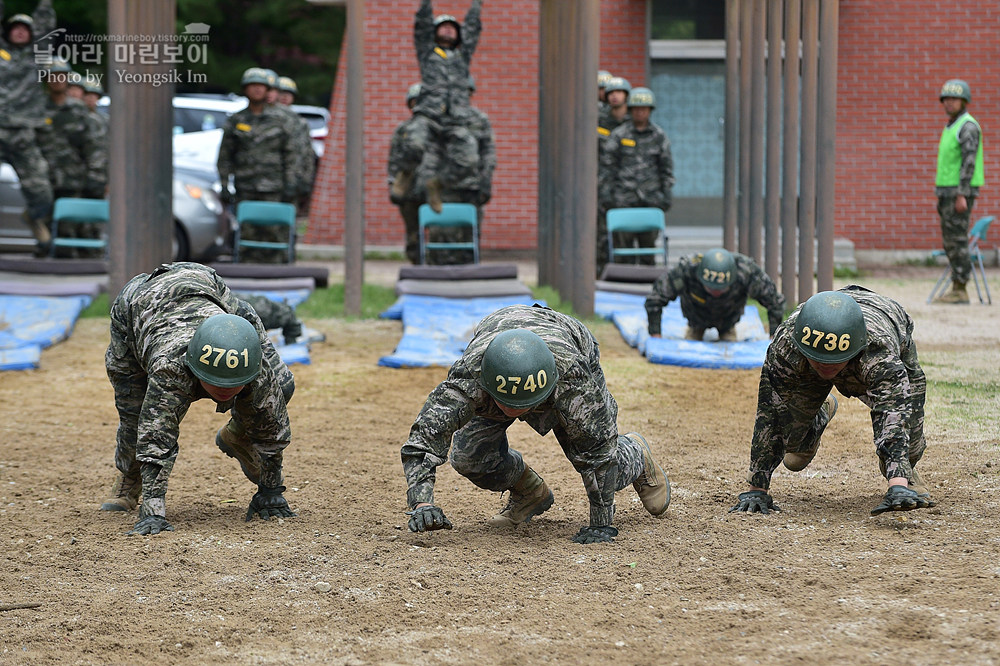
column 950, row 155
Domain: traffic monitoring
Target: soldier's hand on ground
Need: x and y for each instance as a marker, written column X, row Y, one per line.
column 426, row 518
column 899, row 498
column 269, row 502
column 151, row 525
column 592, row 534
column 755, row 501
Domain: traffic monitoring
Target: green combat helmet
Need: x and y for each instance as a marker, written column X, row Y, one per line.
column 60, row 66
column 255, row 75
column 956, row 88
column 641, row 97
column 448, row 18
column 603, row 76
column 272, row 78
column 717, row 270
column 617, row 83
column 830, row 328
column 225, row 351
column 75, row 79
column 23, row 19
column 91, row 84
column 287, row 84
column 412, row 92
column 518, row 370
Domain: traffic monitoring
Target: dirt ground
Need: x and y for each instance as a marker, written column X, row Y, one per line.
column 345, row 583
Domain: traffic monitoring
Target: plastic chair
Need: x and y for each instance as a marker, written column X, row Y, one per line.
column 79, row 212
column 265, row 214
column 636, row 220
column 976, row 234
column 451, row 215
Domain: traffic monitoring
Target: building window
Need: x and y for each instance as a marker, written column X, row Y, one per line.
column 688, row 19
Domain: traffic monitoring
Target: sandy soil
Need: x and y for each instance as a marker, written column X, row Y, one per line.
column 345, row 583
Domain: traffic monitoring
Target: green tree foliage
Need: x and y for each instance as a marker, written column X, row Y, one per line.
column 293, row 37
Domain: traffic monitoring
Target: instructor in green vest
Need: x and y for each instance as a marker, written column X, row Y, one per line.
column 959, row 176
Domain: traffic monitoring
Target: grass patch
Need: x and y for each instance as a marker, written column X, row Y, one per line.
column 329, row 302
column 99, row 307
column 846, row 272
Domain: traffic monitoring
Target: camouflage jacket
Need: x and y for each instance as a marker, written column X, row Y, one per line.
column 479, row 125
column 396, row 156
column 636, row 168
column 155, row 317
column 580, row 409
column 444, row 73
column 306, row 167
column 705, row 311
column 74, row 145
column 22, row 99
column 885, row 376
column 260, row 152
column 606, row 123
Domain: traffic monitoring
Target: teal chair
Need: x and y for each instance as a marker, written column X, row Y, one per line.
column 976, row 234
column 636, row 220
column 451, row 215
column 69, row 212
column 265, row 214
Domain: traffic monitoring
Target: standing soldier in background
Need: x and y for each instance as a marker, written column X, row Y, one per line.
column 862, row 343
column 602, row 99
column 959, row 176
column 636, row 167
column 259, row 151
column 92, row 93
column 75, row 86
column 409, row 200
column 22, row 111
column 613, row 114
column 444, row 52
column 287, row 91
column 713, row 289
column 544, row 368
column 179, row 335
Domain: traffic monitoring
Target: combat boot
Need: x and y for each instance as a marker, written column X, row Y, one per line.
column 923, row 494
column 528, row 498
column 728, row 335
column 125, row 492
column 694, row 333
column 799, row 460
column 957, row 296
column 401, row 184
column 653, row 486
column 236, row 445
column 434, row 194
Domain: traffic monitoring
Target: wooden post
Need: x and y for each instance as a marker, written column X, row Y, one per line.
column 354, row 185
column 826, row 136
column 567, row 149
column 140, row 161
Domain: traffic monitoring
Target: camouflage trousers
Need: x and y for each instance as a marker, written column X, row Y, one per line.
column 601, row 241
column 275, row 314
column 409, row 212
column 19, row 149
column 641, row 239
column 454, row 149
column 955, row 237
column 269, row 233
column 480, row 452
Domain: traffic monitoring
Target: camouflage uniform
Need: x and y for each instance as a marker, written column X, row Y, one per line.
column 414, row 196
column 885, row 376
column 306, row 165
column 72, row 143
column 636, row 170
column 152, row 321
column 22, row 110
column 703, row 310
column 261, row 153
column 442, row 109
column 954, row 225
column 606, row 123
column 274, row 314
column 580, row 411
column 477, row 189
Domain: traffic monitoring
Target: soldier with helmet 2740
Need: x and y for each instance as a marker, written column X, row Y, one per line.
column 179, row 335
column 541, row 367
column 862, row 344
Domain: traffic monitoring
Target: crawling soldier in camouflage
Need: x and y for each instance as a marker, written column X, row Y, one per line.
column 542, row 367
column 861, row 343
column 713, row 288
column 179, row 335
column 275, row 314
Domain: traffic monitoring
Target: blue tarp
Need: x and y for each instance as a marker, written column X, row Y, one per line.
column 30, row 323
column 628, row 313
column 436, row 329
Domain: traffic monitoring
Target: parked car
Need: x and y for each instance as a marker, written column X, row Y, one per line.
column 202, row 225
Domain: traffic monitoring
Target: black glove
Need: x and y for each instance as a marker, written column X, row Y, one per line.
column 291, row 332
column 151, row 525
column 591, row 534
column 899, row 498
column 427, row 518
column 269, row 502
column 755, row 501
column 226, row 196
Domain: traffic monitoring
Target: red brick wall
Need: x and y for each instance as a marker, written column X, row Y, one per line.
column 505, row 66
column 892, row 61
